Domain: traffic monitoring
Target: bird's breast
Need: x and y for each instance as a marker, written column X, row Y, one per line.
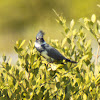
column 37, row 45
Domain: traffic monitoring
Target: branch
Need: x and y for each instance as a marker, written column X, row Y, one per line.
column 96, row 61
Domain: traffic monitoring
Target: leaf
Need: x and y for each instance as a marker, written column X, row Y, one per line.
column 72, row 24
column 53, row 67
column 93, row 85
column 64, row 41
column 60, row 22
column 93, row 18
column 98, row 5
column 87, row 78
column 81, row 20
column 16, row 49
column 85, row 57
column 98, row 21
column 22, row 43
column 17, row 43
column 27, row 96
column 9, row 93
column 87, row 62
column 90, row 23
column 86, row 20
column 17, row 72
column 88, row 44
column 33, row 82
column 69, row 40
column 18, row 90
column 98, row 79
column 4, row 58
column 58, row 85
column 84, row 96
column 8, row 67
column 66, row 30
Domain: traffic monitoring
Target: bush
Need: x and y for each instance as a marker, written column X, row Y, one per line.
column 34, row 78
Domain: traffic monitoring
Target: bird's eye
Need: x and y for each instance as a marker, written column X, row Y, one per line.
column 42, row 39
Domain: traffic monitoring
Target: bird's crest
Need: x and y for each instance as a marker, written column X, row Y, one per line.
column 40, row 35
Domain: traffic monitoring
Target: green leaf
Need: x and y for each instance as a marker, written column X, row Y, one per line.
column 90, row 23
column 64, row 41
column 20, row 49
column 9, row 93
column 69, row 40
column 16, row 49
column 66, row 30
column 8, row 67
column 58, row 85
column 18, row 90
column 93, row 85
column 87, row 78
column 27, row 96
column 30, row 90
column 98, row 79
column 72, row 24
column 93, row 18
column 4, row 58
column 17, row 72
column 84, row 96
column 87, row 62
column 22, row 43
column 54, row 67
column 98, row 5
column 85, row 57
column 33, row 82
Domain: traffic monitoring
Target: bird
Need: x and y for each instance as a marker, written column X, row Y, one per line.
column 48, row 51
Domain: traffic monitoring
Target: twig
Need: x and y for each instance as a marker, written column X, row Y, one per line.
column 96, row 59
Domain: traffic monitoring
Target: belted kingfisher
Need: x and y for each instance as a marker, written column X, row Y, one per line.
column 48, row 51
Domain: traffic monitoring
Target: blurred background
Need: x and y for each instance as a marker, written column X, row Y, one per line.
column 22, row 19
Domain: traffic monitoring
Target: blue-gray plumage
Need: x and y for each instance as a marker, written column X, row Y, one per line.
column 48, row 51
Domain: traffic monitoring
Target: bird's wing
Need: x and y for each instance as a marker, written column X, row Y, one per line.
column 53, row 53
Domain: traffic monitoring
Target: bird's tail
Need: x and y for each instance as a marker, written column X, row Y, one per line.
column 67, row 60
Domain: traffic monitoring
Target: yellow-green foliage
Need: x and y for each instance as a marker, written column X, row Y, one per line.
column 34, row 78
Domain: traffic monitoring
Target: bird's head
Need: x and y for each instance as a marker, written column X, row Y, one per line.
column 39, row 37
